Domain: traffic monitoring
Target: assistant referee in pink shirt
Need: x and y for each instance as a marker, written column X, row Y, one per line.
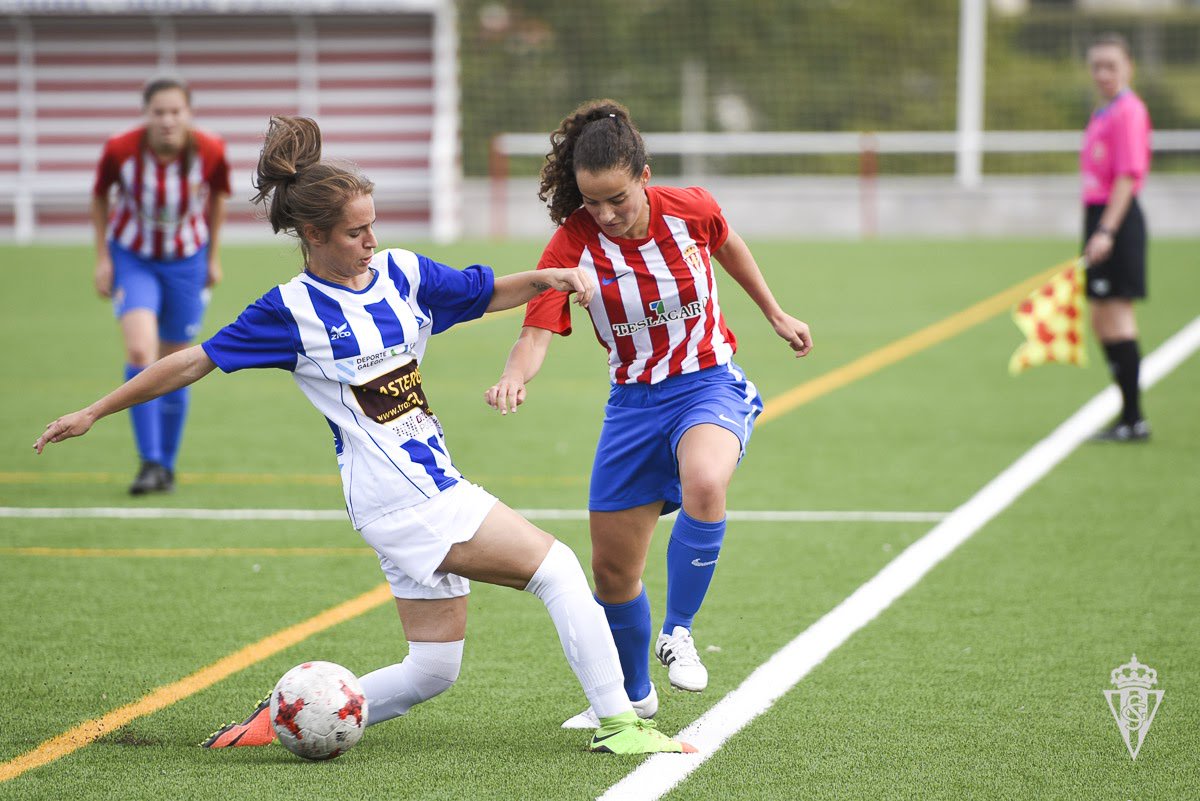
column 1113, row 162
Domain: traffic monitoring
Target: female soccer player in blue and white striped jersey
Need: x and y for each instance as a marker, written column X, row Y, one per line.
column 352, row 329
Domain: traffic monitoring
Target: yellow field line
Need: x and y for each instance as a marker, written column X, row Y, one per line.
column 91, row 730
column 155, row 553
column 905, row 347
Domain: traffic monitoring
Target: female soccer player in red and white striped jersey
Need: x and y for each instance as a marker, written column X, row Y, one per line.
column 680, row 411
column 156, row 253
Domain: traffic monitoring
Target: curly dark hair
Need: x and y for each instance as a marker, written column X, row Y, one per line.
column 599, row 135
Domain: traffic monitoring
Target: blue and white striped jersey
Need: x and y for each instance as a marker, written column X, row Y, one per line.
column 355, row 355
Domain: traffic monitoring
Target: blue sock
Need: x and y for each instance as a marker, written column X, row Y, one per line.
column 147, row 424
column 630, row 624
column 172, row 410
column 691, row 562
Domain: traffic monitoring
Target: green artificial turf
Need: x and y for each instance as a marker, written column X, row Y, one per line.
column 984, row 681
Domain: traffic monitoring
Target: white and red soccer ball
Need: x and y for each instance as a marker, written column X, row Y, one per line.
column 318, row 710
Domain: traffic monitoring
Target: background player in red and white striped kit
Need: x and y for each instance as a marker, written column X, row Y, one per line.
column 156, row 253
column 680, row 412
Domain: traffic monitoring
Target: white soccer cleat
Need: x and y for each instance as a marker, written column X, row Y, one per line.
column 677, row 651
column 587, row 719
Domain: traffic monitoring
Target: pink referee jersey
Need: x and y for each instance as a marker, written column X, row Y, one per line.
column 656, row 312
column 1116, row 143
column 160, row 208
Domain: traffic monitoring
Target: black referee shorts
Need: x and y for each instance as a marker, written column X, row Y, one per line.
column 1123, row 274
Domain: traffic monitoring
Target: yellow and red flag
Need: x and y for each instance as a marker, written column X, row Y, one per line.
column 1051, row 319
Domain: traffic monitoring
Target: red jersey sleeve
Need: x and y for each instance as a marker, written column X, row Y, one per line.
column 551, row 309
column 108, row 171
column 708, row 217
column 212, row 151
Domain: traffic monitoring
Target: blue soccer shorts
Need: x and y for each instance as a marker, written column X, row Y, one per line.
column 635, row 459
column 173, row 290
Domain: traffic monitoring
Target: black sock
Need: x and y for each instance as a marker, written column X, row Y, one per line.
column 1125, row 360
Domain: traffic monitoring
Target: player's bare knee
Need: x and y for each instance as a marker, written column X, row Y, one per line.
column 704, row 496
column 615, row 579
column 607, row 568
column 139, row 356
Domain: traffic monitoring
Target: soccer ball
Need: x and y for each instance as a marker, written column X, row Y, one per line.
column 318, row 710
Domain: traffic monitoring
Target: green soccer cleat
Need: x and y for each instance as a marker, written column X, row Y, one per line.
column 628, row 734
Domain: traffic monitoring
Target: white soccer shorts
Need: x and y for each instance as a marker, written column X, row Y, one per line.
column 412, row 542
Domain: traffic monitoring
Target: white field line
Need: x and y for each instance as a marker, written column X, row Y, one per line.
column 338, row 515
column 656, row 776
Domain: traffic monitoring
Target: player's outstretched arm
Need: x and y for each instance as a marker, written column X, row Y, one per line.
column 738, row 261
column 165, row 375
column 518, row 288
column 524, row 361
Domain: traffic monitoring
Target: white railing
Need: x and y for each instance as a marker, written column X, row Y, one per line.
column 866, row 145
column 802, row 143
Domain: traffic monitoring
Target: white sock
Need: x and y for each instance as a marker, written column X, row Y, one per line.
column 582, row 629
column 430, row 669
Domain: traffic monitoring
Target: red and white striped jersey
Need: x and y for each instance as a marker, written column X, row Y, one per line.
column 656, row 312
column 160, row 212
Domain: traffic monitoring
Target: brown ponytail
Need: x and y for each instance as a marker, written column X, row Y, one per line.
column 296, row 187
column 597, row 136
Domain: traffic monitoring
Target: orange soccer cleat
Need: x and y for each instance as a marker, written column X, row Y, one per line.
column 254, row 730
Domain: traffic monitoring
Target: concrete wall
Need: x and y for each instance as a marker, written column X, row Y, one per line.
column 848, row 208
column 822, row 208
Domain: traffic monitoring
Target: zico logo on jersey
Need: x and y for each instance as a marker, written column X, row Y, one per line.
column 339, row 331
column 659, row 316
